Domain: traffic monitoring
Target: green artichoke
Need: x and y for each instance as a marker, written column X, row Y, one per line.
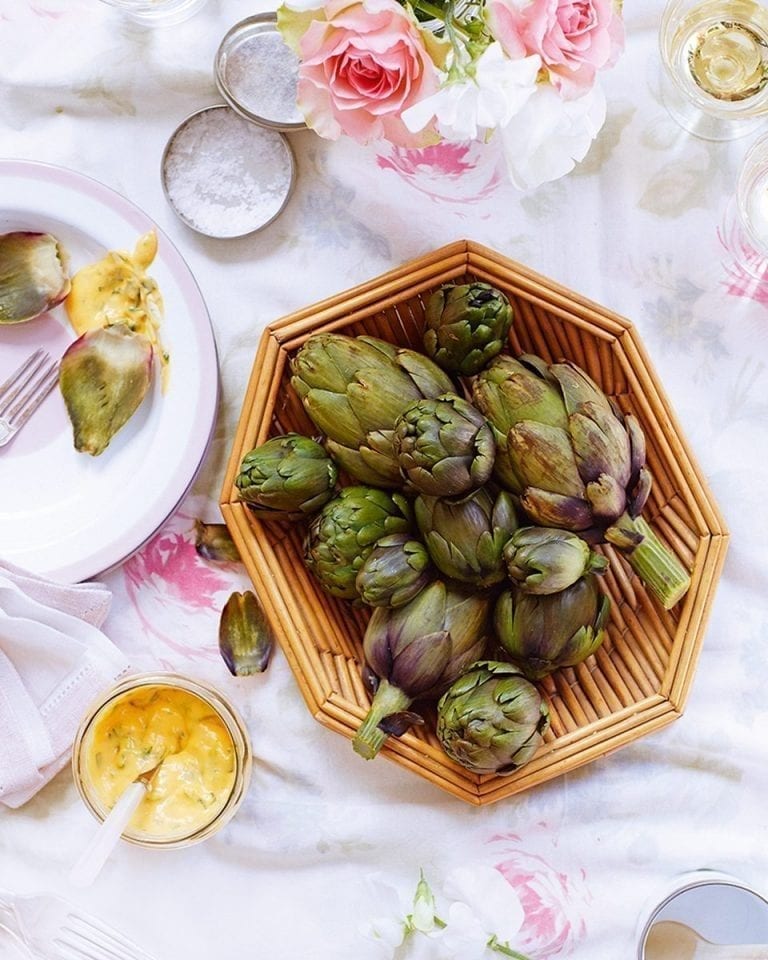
column 575, row 460
column 245, row 637
column 342, row 535
column 491, row 720
column 213, row 541
column 394, row 572
column 417, row 651
column 444, row 446
column 542, row 633
column 33, row 275
column 466, row 326
column 545, row 560
column 354, row 389
column 288, row 476
column 466, row 537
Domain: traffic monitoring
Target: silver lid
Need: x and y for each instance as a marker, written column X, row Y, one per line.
column 257, row 73
column 224, row 176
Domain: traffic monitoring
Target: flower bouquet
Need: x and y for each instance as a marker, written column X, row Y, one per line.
column 416, row 73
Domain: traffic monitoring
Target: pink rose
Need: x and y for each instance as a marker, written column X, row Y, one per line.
column 574, row 38
column 361, row 68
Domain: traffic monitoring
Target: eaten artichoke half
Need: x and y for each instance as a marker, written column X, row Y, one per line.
column 33, row 275
column 104, row 376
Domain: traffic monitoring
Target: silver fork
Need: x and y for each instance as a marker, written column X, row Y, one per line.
column 56, row 930
column 24, row 391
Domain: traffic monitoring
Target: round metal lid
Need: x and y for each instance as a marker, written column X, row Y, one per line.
column 257, row 73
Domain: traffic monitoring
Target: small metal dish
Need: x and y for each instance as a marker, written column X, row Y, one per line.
column 225, row 176
column 257, row 73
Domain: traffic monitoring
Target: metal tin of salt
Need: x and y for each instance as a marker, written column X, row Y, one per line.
column 225, row 176
column 257, row 73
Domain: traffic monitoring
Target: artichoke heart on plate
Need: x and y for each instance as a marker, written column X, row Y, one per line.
column 33, row 275
column 104, row 376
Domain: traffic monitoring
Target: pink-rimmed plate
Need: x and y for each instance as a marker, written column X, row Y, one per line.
column 68, row 515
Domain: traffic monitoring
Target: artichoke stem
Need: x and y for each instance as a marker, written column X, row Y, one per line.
column 370, row 738
column 657, row 567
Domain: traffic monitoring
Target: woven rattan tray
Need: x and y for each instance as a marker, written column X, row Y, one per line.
column 639, row 679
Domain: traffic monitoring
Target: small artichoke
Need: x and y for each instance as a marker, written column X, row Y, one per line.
column 104, row 375
column 345, row 531
column 466, row 326
column 466, row 537
column 444, row 446
column 542, row 633
column 354, row 389
column 33, row 275
column 287, row 476
column 394, row 572
column 416, row 651
column 245, row 637
column 491, row 720
column 545, row 560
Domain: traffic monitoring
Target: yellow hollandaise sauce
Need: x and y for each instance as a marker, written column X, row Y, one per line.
column 137, row 730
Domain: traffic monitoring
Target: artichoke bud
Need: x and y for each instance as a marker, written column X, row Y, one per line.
column 288, row 476
column 214, row 542
column 545, row 560
column 492, row 719
column 104, row 375
column 541, row 633
column 33, row 275
column 466, row 326
column 394, row 572
column 245, row 638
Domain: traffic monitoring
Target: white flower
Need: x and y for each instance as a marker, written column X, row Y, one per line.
column 546, row 139
column 499, row 89
column 485, row 907
column 402, row 931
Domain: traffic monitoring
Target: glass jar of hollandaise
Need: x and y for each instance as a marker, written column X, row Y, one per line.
column 183, row 733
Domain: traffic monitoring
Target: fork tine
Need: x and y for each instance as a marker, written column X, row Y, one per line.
column 76, row 950
column 19, row 380
column 23, row 409
column 115, row 943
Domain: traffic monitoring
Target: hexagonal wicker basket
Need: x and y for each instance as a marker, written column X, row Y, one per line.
column 639, row 679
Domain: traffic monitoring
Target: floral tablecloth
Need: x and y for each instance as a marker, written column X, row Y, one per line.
column 639, row 227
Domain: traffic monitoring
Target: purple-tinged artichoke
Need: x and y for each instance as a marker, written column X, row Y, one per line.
column 575, row 460
column 466, row 326
column 466, row 537
column 245, row 637
column 104, row 375
column 542, row 633
column 33, row 275
column 345, row 531
column 394, row 572
column 213, row 541
column 546, row 560
column 444, row 446
column 492, row 719
column 416, row 652
column 354, row 389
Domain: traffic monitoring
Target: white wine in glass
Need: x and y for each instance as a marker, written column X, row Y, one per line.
column 715, row 55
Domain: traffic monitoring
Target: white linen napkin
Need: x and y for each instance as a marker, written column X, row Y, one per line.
column 54, row 662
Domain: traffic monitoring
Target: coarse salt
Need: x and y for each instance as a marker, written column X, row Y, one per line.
column 260, row 74
column 226, row 176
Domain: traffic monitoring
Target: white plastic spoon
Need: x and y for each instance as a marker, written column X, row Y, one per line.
column 668, row 940
column 105, row 839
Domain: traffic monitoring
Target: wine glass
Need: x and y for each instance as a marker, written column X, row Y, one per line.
column 745, row 229
column 715, row 59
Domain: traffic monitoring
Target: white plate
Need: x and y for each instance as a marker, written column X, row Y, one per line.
column 68, row 515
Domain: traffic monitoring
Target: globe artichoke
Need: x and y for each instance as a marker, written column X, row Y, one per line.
column 342, row 535
column 545, row 560
column 104, row 375
column 575, row 460
column 542, row 633
column 466, row 326
column 394, row 572
column 491, row 720
column 33, row 275
column 354, row 389
column 416, row 651
column 245, row 637
column 288, row 476
column 466, row 537
column 444, row 446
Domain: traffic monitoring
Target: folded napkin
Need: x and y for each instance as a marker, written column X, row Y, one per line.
column 54, row 662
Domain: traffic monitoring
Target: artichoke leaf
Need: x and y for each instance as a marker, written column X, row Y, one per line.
column 33, row 275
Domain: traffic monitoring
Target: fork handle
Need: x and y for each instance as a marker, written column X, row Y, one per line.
column 106, row 837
